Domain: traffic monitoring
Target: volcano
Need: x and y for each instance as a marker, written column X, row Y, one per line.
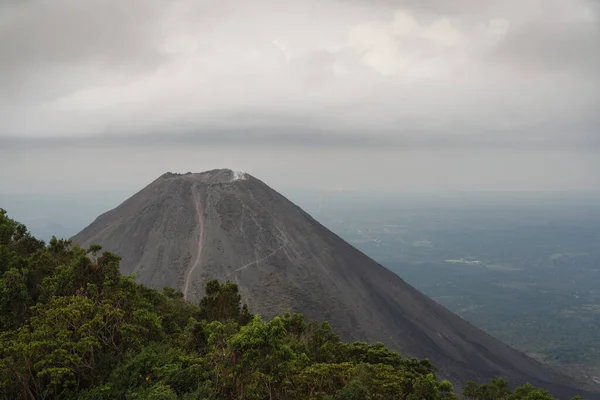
column 185, row 229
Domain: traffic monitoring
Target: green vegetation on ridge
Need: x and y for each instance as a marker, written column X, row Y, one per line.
column 72, row 327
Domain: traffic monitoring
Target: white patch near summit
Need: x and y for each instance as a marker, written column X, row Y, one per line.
column 238, row 175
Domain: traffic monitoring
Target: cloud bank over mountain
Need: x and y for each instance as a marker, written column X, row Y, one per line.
column 461, row 75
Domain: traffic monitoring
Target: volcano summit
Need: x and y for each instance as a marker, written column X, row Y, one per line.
column 185, row 229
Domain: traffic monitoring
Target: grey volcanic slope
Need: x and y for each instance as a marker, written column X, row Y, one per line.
column 182, row 230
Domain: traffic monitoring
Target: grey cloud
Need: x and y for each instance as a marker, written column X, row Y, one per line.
column 49, row 48
column 560, row 46
column 315, row 138
column 315, row 68
column 476, row 9
column 66, row 31
column 338, row 75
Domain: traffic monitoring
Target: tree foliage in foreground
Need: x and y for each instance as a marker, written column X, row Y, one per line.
column 72, row 327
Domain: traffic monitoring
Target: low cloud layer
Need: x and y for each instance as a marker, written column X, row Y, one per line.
column 82, row 68
column 429, row 74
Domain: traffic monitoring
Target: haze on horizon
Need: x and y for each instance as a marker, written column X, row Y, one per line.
column 375, row 95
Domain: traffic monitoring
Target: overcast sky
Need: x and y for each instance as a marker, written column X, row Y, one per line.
column 394, row 95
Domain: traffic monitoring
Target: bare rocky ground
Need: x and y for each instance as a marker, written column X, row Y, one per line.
column 185, row 229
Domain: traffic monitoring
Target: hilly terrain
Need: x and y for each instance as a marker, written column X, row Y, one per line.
column 184, row 230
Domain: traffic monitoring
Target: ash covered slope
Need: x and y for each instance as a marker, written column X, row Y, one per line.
column 183, row 230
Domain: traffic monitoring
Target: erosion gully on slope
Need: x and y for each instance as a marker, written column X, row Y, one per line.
column 198, row 261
